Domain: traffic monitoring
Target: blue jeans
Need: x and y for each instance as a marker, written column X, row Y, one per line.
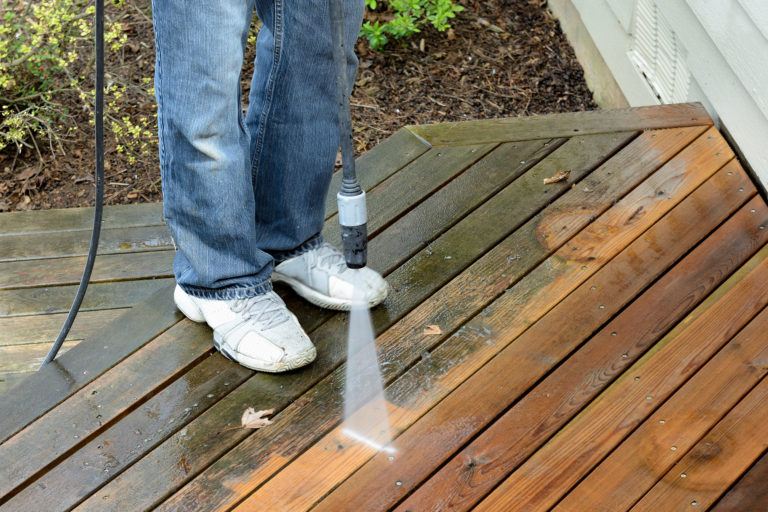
column 244, row 191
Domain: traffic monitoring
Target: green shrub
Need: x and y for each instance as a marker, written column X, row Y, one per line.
column 406, row 18
column 46, row 65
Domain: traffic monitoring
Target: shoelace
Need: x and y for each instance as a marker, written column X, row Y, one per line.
column 329, row 257
column 266, row 309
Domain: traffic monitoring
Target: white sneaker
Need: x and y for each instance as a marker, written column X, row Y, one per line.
column 322, row 277
column 259, row 332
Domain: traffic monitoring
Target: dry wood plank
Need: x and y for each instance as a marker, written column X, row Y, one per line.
column 397, row 194
column 75, row 243
column 594, row 153
column 421, row 278
column 86, row 412
column 643, row 458
column 296, row 487
column 385, row 159
column 750, row 492
column 65, row 219
column 718, row 459
column 547, row 475
column 452, row 423
column 58, row 299
column 47, row 388
column 24, row 330
column 563, row 125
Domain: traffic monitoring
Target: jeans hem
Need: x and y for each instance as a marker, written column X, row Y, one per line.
column 312, row 243
column 231, row 293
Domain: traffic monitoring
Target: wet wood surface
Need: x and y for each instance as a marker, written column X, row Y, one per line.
column 599, row 344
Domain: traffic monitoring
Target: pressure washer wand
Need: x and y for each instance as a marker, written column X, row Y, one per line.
column 353, row 215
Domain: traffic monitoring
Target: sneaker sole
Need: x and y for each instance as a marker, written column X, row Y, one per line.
column 321, row 300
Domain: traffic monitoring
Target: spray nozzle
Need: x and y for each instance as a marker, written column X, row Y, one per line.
column 353, row 217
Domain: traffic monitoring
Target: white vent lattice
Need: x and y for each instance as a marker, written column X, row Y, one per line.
column 658, row 54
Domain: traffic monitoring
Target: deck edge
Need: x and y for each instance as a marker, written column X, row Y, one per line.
column 563, row 124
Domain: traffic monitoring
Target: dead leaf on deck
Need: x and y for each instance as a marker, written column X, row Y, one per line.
column 557, row 178
column 433, row 330
column 256, row 419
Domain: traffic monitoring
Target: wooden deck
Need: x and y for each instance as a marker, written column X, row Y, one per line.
column 601, row 341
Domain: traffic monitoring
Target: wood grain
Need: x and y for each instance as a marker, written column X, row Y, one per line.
column 96, row 404
column 563, row 125
column 643, row 458
column 58, row 299
column 48, row 387
column 21, row 330
column 545, row 477
column 449, row 251
column 750, row 492
column 718, row 459
column 449, row 425
column 297, row 488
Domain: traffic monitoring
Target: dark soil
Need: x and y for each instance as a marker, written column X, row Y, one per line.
column 502, row 58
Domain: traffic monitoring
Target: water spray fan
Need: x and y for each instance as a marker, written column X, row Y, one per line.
column 353, row 215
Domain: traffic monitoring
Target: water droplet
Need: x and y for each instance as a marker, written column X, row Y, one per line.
column 683, row 475
column 624, row 355
column 752, row 210
column 674, row 448
column 649, row 398
column 613, row 333
column 399, row 483
column 662, row 422
column 694, row 503
column 593, row 287
column 209, row 395
column 637, row 378
column 741, row 189
column 391, row 458
column 602, row 306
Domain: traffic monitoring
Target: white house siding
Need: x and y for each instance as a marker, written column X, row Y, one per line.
column 664, row 51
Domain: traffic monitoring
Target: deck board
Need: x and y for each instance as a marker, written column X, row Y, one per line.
column 584, row 326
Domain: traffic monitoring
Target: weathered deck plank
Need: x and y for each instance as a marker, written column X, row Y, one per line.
column 423, row 275
column 551, row 299
column 298, row 487
column 563, row 125
column 466, row 295
column 447, row 427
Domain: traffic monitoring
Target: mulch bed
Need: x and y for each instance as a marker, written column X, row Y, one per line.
column 502, row 58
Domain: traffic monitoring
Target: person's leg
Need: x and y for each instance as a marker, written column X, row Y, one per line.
column 209, row 203
column 292, row 119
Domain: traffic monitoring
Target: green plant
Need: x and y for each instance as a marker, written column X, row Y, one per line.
column 46, row 61
column 404, row 18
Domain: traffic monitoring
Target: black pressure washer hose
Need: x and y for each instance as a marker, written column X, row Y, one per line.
column 99, row 119
column 351, row 197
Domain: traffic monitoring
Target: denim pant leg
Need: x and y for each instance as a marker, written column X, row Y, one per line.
column 209, row 201
column 292, row 119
